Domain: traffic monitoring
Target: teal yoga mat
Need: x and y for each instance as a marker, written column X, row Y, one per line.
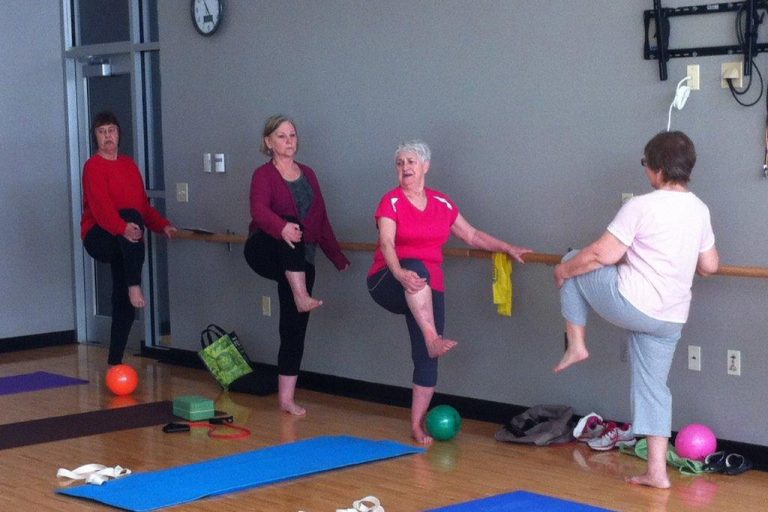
column 519, row 501
column 149, row 491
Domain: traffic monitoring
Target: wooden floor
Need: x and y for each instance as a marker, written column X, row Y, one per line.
column 471, row 466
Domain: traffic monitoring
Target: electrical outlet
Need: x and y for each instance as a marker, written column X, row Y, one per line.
column 694, row 358
column 734, row 362
column 734, row 71
column 693, row 72
column 266, row 305
column 182, row 192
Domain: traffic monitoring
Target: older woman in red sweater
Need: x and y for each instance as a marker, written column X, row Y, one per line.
column 115, row 211
column 288, row 223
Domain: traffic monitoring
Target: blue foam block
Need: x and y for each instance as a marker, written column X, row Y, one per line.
column 519, row 501
column 149, row 491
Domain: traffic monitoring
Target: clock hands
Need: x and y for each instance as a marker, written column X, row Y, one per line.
column 206, row 16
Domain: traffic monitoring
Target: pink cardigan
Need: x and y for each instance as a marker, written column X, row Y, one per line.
column 271, row 200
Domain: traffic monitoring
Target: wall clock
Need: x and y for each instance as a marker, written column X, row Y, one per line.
column 207, row 15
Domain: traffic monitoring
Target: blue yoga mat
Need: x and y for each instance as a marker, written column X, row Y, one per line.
column 182, row 484
column 519, row 501
column 35, row 382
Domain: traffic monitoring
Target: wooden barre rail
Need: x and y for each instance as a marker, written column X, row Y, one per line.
column 533, row 257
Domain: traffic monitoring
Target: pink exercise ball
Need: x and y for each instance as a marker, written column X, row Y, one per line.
column 695, row 441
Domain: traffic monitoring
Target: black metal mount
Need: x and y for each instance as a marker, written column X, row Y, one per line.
column 662, row 52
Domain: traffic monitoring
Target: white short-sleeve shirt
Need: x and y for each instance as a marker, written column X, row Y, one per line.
column 665, row 231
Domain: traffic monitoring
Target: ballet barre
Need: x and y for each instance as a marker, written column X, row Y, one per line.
column 458, row 252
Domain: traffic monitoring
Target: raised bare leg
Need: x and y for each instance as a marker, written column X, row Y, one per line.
column 304, row 301
column 420, row 304
column 656, row 474
column 136, row 296
column 422, row 396
column 577, row 346
column 286, row 388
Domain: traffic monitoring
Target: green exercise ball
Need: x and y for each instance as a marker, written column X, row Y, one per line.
column 443, row 422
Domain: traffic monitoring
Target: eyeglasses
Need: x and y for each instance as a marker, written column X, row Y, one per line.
column 644, row 162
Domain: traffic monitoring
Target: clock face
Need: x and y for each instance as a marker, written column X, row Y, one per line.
column 206, row 15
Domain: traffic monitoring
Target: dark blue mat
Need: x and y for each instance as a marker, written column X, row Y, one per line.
column 149, row 491
column 519, row 501
column 35, row 382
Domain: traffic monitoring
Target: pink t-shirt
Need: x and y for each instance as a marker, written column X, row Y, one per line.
column 664, row 231
column 420, row 234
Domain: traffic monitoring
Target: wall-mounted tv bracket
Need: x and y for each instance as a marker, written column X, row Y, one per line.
column 662, row 52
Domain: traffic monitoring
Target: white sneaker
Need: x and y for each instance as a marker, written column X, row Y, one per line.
column 613, row 435
column 589, row 427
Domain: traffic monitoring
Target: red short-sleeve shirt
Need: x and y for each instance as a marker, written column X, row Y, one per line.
column 420, row 234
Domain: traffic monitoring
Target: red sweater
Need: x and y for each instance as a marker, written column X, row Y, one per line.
column 110, row 186
column 271, row 200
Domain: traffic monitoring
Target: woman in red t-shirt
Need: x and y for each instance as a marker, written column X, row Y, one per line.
column 115, row 211
column 406, row 277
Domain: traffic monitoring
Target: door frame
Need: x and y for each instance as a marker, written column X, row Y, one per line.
column 129, row 56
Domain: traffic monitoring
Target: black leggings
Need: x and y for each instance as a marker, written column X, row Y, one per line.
column 125, row 260
column 271, row 258
column 390, row 294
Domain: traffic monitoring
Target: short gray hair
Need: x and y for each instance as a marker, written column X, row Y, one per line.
column 415, row 146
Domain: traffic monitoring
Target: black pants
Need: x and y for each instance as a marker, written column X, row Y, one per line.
column 125, row 260
column 390, row 294
column 271, row 258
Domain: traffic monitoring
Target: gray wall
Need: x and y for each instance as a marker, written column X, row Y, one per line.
column 537, row 113
column 36, row 250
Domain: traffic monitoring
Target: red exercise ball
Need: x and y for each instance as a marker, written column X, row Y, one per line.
column 122, row 379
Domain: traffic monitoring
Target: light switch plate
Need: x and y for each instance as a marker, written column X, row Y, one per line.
column 219, row 162
column 206, row 162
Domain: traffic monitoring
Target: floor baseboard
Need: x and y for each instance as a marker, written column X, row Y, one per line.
column 47, row 339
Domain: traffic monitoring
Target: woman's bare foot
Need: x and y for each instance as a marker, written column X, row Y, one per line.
column 439, row 346
column 420, row 436
column 306, row 303
column 571, row 356
column 293, row 409
column 661, row 482
column 136, row 296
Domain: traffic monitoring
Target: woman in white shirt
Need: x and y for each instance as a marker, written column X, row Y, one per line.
column 638, row 276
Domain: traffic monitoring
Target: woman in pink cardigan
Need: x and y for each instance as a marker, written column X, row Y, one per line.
column 288, row 223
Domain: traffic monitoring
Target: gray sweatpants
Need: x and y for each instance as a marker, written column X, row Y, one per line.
column 652, row 343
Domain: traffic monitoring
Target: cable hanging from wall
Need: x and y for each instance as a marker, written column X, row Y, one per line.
column 753, row 22
column 682, row 91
